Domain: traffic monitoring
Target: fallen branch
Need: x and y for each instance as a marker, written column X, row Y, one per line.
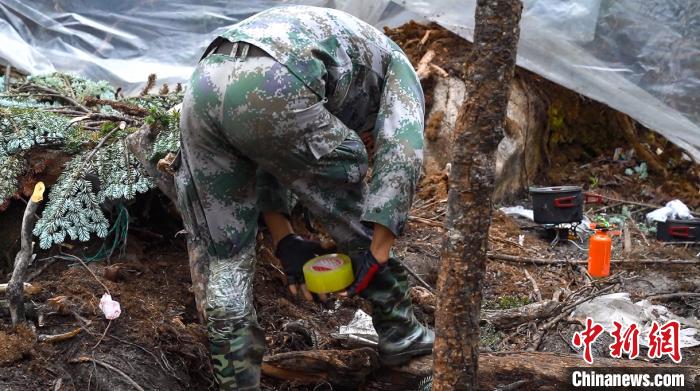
column 40, row 270
column 59, row 337
column 637, row 203
column 535, row 287
column 506, row 319
column 90, row 271
column 121, row 106
column 417, row 277
column 535, row 261
column 112, row 117
column 629, row 131
column 46, row 91
column 425, row 221
column 627, row 239
column 343, row 368
column 425, row 37
column 84, row 359
column 99, row 145
column 506, row 241
column 140, row 143
column 15, row 288
column 423, row 70
column 428, row 205
column 437, row 69
column 542, row 329
column 162, row 364
column 502, row 319
column 497, row 369
column 669, row 296
column 29, row 289
column 103, row 335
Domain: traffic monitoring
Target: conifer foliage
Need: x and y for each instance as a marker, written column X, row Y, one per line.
column 88, row 121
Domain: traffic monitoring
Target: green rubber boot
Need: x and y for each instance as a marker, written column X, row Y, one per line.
column 390, row 356
column 401, row 336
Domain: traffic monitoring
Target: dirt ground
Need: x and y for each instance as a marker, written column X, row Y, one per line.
column 158, row 343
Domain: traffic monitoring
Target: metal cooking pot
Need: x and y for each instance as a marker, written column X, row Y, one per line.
column 557, row 205
column 678, row 230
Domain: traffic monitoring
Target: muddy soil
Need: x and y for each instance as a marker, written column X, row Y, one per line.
column 158, row 342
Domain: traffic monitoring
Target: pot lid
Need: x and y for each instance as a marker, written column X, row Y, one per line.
column 554, row 189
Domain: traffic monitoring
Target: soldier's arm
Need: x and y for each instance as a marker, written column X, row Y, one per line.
column 398, row 158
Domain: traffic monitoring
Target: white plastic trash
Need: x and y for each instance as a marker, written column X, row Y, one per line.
column 619, row 307
column 518, row 211
column 675, row 209
column 109, row 307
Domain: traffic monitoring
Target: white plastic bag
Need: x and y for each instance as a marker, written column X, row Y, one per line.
column 675, row 209
column 109, row 307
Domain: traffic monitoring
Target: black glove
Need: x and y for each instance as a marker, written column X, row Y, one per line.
column 366, row 266
column 294, row 251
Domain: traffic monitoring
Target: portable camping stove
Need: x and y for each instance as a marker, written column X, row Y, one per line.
column 559, row 210
column 562, row 231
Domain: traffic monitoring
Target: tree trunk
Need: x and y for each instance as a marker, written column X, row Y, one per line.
column 521, row 371
column 140, row 143
column 15, row 288
column 341, row 368
column 348, row 369
column 478, row 130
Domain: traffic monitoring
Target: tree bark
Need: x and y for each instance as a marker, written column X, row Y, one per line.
column 140, row 143
column 15, row 287
column 478, row 130
column 520, row 370
column 342, row 368
column 506, row 319
column 352, row 368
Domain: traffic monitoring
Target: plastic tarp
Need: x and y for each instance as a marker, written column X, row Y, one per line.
column 641, row 57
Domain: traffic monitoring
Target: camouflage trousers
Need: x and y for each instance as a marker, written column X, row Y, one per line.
column 250, row 130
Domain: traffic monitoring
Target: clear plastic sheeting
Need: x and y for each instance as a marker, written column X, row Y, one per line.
column 120, row 41
column 641, row 57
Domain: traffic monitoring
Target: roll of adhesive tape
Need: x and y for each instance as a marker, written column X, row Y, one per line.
column 328, row 273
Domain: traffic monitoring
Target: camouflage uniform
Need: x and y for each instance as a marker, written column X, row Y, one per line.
column 282, row 110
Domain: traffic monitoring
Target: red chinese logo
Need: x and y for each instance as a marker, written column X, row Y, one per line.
column 586, row 337
column 625, row 342
column 665, row 340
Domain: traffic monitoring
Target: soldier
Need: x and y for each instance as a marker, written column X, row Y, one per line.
column 282, row 102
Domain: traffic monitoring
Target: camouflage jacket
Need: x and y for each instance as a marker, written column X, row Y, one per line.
column 367, row 83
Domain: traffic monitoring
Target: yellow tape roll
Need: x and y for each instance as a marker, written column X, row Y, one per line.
column 328, row 273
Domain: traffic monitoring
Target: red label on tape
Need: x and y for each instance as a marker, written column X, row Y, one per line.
column 326, row 264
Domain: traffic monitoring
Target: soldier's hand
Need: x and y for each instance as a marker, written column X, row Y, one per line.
column 366, row 266
column 368, row 140
column 294, row 251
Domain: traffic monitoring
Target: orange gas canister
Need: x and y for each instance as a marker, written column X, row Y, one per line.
column 599, row 249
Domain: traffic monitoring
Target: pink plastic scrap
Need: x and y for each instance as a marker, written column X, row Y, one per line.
column 111, row 308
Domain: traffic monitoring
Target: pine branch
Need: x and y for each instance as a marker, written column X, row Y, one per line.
column 45, row 91
column 27, row 120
